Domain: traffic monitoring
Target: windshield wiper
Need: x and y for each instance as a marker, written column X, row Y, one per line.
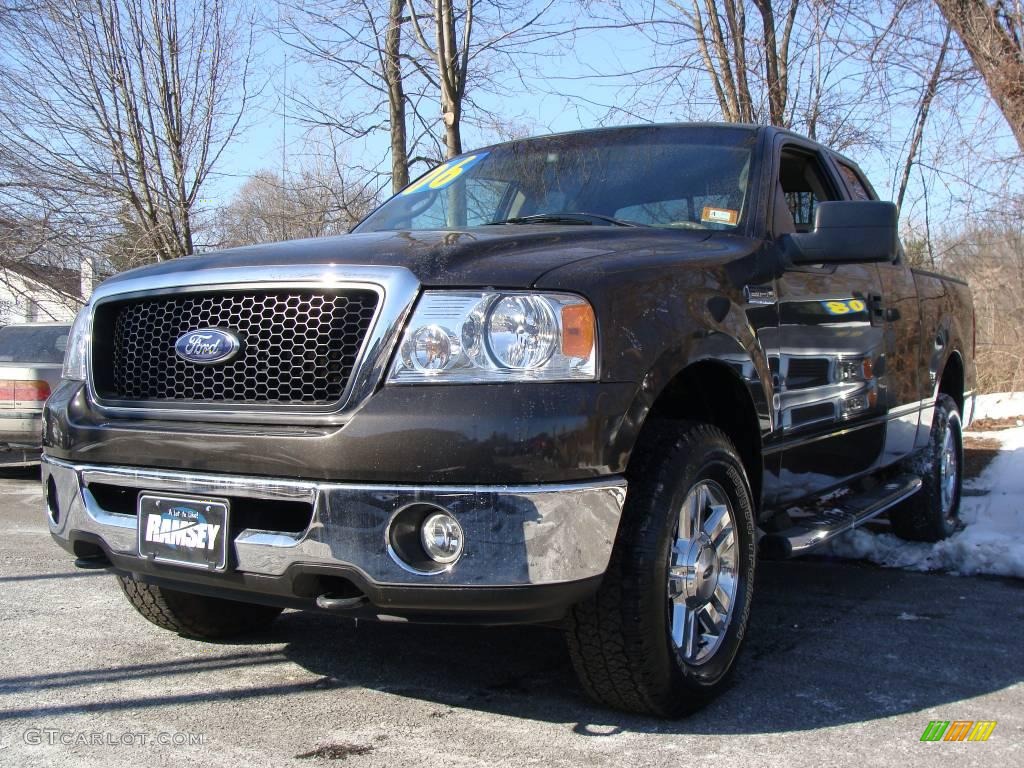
column 567, row 218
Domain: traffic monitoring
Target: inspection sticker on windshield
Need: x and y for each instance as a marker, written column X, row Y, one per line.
column 184, row 530
column 444, row 174
column 719, row 216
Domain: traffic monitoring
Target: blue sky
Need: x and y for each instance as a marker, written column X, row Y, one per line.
column 580, row 104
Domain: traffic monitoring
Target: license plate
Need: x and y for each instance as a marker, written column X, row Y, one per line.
column 184, row 530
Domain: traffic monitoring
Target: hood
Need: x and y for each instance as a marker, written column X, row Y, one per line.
column 504, row 256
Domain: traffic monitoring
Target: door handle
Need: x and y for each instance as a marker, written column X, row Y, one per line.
column 880, row 312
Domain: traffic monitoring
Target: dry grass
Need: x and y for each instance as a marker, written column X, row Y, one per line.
column 992, row 261
column 978, row 454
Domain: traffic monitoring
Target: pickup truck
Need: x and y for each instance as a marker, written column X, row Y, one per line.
column 583, row 380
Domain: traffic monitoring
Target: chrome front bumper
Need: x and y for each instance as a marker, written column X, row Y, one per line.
column 515, row 536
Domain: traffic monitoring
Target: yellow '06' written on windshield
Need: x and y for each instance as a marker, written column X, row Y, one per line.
column 444, row 174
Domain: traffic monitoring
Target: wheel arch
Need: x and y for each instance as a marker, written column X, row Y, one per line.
column 712, row 391
column 951, row 381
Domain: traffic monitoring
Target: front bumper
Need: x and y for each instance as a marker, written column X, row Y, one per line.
column 530, row 551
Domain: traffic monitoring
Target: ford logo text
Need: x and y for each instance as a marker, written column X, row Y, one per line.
column 206, row 346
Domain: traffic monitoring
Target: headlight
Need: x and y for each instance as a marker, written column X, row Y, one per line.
column 463, row 336
column 76, row 355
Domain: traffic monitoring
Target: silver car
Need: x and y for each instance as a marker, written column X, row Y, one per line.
column 31, row 357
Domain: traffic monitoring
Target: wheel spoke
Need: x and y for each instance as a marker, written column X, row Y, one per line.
column 689, row 515
column 676, row 581
column 713, row 619
column 722, row 599
column 717, row 521
column 684, row 629
column 678, row 555
column 725, row 543
column 690, row 635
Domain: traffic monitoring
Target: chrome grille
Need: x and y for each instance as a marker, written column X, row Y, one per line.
column 297, row 347
column 805, row 372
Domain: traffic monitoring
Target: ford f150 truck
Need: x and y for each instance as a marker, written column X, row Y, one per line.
column 582, row 379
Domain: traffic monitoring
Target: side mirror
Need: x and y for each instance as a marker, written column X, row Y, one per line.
column 847, row 232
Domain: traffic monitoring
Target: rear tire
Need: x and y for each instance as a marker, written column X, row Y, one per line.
column 195, row 616
column 933, row 513
column 662, row 633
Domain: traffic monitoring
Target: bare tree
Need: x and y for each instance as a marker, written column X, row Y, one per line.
column 991, row 258
column 993, row 34
column 931, row 87
column 721, row 33
column 785, row 63
column 113, row 107
column 315, row 202
column 412, row 68
column 483, row 41
column 449, row 54
column 355, row 47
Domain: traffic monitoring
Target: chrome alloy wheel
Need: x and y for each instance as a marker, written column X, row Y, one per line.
column 949, row 468
column 703, row 577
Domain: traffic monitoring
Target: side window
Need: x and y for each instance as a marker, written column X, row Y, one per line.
column 857, row 189
column 804, row 184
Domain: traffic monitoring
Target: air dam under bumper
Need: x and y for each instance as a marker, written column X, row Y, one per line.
column 530, row 551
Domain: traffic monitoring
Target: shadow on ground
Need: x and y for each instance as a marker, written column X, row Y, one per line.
column 829, row 643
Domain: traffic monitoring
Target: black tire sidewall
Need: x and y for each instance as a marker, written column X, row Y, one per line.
column 678, row 474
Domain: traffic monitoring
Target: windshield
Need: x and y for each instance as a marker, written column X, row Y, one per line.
column 33, row 344
column 672, row 177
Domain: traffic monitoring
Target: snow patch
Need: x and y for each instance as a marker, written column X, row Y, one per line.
column 999, row 405
column 992, row 539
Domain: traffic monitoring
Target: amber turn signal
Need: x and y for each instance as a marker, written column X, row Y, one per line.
column 577, row 330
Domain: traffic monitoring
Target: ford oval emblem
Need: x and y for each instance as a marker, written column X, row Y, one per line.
column 207, row 346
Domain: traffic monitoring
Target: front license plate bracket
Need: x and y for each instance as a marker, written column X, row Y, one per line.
column 189, row 531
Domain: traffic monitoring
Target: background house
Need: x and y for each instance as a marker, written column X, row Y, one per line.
column 32, row 293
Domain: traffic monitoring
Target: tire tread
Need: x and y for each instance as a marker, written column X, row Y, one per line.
column 195, row 616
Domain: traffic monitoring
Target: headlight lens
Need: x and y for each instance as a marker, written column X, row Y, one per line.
column 522, row 331
column 463, row 336
column 76, row 355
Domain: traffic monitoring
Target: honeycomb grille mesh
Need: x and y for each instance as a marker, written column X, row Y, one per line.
column 296, row 347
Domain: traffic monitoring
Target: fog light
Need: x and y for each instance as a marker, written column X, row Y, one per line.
column 441, row 535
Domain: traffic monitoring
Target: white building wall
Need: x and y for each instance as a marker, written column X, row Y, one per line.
column 25, row 301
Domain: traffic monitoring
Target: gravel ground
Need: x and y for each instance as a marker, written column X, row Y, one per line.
column 845, row 664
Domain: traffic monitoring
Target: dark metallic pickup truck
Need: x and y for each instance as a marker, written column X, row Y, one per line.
column 582, row 379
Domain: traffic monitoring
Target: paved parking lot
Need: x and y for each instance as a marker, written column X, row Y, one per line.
column 845, row 664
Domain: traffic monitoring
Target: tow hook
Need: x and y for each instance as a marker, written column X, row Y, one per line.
column 329, row 602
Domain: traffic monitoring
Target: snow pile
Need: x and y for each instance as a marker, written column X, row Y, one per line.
column 992, row 540
column 1001, row 405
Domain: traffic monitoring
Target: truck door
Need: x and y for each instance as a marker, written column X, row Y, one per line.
column 829, row 351
column 898, row 311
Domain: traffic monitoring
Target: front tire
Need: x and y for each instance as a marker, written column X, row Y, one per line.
column 662, row 633
column 933, row 513
column 195, row 616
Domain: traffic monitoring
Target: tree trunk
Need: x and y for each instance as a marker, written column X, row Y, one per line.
column 773, row 80
column 996, row 55
column 396, row 96
column 451, row 77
